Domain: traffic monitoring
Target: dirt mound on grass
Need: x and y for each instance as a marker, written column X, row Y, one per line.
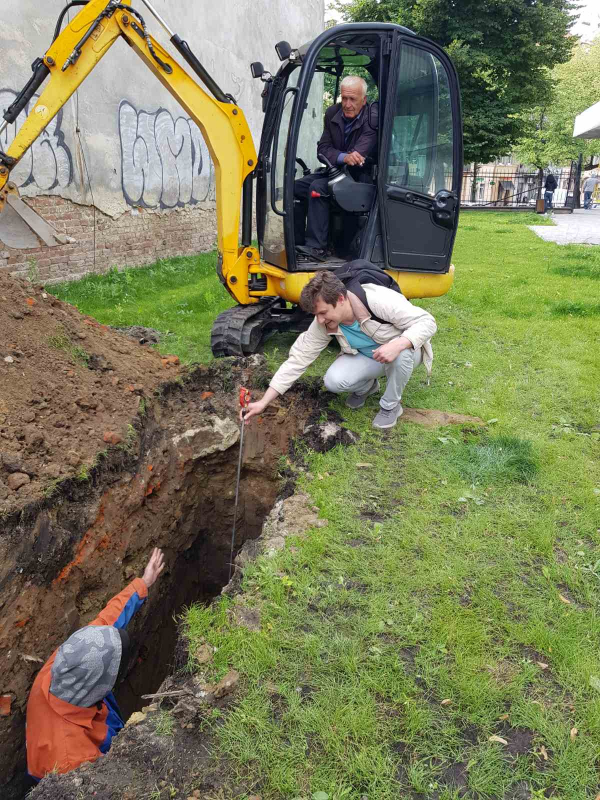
column 69, row 387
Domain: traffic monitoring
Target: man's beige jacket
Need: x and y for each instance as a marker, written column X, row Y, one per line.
column 404, row 320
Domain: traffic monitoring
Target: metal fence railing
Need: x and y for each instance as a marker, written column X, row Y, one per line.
column 500, row 187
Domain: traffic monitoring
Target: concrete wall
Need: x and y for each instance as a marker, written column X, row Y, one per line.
column 144, row 156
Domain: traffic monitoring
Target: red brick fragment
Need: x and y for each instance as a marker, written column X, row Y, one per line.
column 110, row 437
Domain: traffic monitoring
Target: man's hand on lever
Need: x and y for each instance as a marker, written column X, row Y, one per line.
column 253, row 409
column 354, row 159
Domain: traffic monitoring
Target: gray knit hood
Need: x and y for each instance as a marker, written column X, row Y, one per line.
column 86, row 665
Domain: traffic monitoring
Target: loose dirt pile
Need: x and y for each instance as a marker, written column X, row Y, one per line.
column 69, row 387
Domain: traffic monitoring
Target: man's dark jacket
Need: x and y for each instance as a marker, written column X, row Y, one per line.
column 550, row 184
column 362, row 138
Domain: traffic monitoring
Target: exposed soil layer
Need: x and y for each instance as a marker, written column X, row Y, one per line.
column 68, row 387
column 170, row 484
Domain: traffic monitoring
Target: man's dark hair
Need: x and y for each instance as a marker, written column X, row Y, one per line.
column 325, row 286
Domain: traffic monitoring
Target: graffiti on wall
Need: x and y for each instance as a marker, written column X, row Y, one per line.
column 164, row 161
column 48, row 163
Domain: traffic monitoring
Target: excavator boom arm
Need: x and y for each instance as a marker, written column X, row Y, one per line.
column 75, row 53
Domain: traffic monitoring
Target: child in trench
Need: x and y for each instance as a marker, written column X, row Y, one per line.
column 72, row 714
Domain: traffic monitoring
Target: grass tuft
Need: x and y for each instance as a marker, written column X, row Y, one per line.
column 576, row 309
column 579, row 261
column 129, row 443
column 83, row 473
column 495, row 459
column 62, row 342
column 164, row 723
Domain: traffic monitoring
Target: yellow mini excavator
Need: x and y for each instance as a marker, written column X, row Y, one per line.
column 403, row 218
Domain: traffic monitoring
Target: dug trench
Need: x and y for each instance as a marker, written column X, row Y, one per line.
column 171, row 485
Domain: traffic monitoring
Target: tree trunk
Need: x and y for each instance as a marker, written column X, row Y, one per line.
column 540, row 182
column 474, row 183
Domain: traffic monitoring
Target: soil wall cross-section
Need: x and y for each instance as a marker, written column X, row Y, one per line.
column 64, row 555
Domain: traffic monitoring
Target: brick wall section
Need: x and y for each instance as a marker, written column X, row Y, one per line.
column 135, row 238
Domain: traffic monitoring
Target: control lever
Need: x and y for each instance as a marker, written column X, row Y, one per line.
column 324, row 160
column 305, row 169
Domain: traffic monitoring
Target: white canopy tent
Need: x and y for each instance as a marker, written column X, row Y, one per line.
column 587, row 124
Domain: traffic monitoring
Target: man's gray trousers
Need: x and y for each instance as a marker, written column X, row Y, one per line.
column 350, row 373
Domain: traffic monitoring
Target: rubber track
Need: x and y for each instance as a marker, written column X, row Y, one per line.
column 230, row 335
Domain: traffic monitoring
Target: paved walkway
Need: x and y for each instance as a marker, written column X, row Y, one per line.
column 580, row 227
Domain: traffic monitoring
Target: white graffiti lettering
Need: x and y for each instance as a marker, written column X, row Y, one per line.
column 48, row 163
column 164, row 161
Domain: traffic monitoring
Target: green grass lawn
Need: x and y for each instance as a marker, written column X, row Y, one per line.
column 180, row 297
column 454, row 595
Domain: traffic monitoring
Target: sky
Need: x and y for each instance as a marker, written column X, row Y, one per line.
column 590, row 14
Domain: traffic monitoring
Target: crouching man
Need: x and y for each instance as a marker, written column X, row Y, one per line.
column 387, row 336
column 72, row 714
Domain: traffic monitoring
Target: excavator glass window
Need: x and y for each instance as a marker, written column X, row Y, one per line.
column 420, row 153
column 272, row 155
column 347, row 209
column 280, row 143
column 333, row 64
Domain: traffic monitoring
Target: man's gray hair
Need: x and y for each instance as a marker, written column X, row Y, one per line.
column 356, row 80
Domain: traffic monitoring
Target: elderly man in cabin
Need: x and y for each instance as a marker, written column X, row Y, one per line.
column 72, row 714
column 349, row 138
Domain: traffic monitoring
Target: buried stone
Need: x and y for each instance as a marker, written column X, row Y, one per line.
column 16, row 480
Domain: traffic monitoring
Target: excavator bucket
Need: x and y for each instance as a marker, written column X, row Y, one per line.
column 21, row 227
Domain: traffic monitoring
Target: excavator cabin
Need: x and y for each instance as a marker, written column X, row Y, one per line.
column 403, row 217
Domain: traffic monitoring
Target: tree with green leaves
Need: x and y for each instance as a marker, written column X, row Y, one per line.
column 549, row 135
column 504, row 51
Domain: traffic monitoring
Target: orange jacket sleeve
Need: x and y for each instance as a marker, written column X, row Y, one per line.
column 123, row 606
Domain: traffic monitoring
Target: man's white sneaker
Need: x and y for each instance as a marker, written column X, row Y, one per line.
column 388, row 417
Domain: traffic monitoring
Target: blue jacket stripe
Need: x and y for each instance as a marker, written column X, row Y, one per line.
column 133, row 604
column 114, row 722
